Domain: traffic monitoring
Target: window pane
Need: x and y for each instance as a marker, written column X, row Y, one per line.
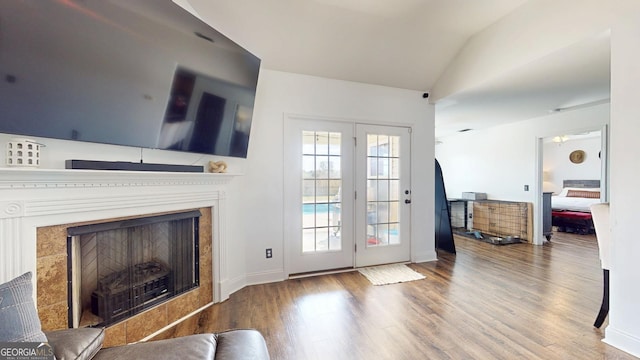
column 383, row 145
column 383, row 212
column 372, row 145
column 395, row 168
column 322, row 143
column 383, row 168
column 394, row 234
column 335, row 142
column 335, row 194
column 308, row 191
column 308, row 240
column 372, row 236
column 322, row 215
column 308, row 216
column 334, row 167
column 383, row 234
column 395, row 146
column 335, row 242
column 394, row 189
column 335, row 217
column 322, row 239
column 394, row 211
column 372, row 167
column 308, row 167
column 322, row 191
column 308, row 142
column 372, row 190
column 322, row 167
column 372, row 213
column 383, row 190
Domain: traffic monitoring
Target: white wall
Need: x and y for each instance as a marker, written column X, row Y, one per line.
column 539, row 28
column 499, row 161
column 558, row 167
column 260, row 192
column 255, row 200
column 624, row 318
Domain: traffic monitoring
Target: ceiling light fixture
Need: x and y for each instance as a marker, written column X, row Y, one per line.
column 560, row 139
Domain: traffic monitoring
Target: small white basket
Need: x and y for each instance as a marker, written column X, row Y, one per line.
column 23, row 152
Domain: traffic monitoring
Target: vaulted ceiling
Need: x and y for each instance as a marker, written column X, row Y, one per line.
column 408, row 44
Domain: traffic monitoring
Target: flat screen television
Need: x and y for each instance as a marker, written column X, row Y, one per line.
column 145, row 74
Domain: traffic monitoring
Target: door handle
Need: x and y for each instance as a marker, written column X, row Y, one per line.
column 407, row 201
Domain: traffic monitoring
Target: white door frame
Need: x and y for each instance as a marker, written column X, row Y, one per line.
column 287, row 232
column 538, row 238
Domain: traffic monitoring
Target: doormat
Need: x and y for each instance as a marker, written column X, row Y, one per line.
column 390, row 274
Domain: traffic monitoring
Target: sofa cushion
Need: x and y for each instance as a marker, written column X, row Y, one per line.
column 202, row 346
column 18, row 314
column 76, row 344
column 241, row 344
column 229, row 345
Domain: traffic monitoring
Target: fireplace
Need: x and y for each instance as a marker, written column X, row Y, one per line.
column 37, row 206
column 121, row 268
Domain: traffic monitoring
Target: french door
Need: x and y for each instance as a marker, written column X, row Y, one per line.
column 330, row 221
column 383, row 191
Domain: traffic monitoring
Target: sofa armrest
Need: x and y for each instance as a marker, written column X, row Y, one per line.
column 75, row 344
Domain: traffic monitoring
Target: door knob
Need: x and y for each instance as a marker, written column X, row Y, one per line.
column 407, row 201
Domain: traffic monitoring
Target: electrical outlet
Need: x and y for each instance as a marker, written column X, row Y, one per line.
column 269, row 253
column 526, row 188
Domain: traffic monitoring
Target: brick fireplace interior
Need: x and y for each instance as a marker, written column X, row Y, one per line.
column 61, row 308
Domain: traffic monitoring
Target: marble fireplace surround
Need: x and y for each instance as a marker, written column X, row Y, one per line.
column 36, row 203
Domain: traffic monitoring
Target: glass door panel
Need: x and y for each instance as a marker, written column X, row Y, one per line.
column 319, row 238
column 383, row 177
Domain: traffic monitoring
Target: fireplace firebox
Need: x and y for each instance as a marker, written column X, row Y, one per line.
column 118, row 269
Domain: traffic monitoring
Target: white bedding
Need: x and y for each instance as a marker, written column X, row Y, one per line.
column 572, row 203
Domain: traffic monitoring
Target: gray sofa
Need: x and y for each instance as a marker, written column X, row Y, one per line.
column 19, row 323
column 86, row 344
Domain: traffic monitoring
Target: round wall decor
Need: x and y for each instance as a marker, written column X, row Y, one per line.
column 577, row 156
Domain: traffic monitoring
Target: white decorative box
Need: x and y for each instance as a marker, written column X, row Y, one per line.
column 23, row 152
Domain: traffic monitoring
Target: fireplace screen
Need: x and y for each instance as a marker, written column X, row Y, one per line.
column 118, row 269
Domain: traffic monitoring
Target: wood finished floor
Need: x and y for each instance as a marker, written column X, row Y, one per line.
column 487, row 302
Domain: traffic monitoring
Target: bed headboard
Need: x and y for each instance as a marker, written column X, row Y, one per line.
column 581, row 183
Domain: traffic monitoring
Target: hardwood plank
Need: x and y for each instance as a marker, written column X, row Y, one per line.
column 487, row 302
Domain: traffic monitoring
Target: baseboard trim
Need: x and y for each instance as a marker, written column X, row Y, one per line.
column 228, row 287
column 622, row 340
column 265, row 277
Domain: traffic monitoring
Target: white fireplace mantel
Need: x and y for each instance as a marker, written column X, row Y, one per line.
column 32, row 198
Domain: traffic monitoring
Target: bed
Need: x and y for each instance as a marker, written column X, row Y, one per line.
column 571, row 208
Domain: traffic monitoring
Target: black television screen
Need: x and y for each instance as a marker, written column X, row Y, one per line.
column 136, row 73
